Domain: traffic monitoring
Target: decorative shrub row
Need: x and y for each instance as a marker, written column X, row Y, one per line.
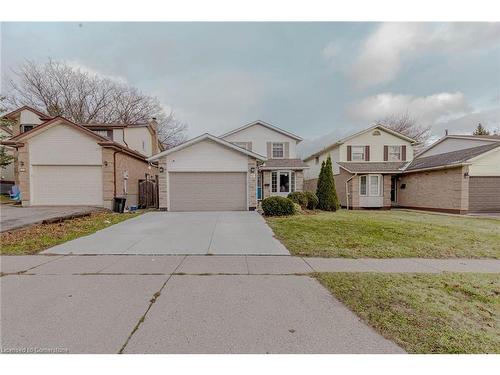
column 278, row 206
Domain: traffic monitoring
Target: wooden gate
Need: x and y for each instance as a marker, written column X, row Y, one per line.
column 148, row 194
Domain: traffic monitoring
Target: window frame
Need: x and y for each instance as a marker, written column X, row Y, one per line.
column 274, row 181
column 282, row 144
column 389, row 152
column 363, row 153
column 23, row 127
column 368, row 185
column 365, row 178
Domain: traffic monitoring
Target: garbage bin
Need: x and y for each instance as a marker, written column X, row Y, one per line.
column 119, row 204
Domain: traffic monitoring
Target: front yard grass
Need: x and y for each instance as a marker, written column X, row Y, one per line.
column 36, row 238
column 425, row 313
column 388, row 234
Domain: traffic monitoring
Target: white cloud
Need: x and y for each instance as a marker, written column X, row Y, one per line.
column 95, row 72
column 426, row 109
column 489, row 118
column 385, row 50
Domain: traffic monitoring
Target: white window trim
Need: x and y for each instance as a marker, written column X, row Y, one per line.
column 272, row 150
column 290, row 190
column 400, row 153
column 352, row 153
column 368, row 185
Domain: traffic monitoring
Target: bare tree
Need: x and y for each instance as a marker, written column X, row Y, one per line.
column 407, row 125
column 62, row 90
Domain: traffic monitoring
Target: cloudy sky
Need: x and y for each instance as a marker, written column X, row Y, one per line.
column 319, row 80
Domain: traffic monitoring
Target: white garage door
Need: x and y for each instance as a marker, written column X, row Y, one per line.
column 61, row 185
column 208, row 191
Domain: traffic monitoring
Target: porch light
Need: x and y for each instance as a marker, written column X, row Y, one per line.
column 252, row 170
column 162, row 170
column 105, row 163
column 466, row 174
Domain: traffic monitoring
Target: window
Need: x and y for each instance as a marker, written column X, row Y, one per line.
column 357, row 153
column 25, row 128
column 292, row 184
column 278, row 150
column 284, row 182
column 374, row 186
column 274, row 182
column 362, row 185
column 394, row 153
column 369, row 185
column 376, row 132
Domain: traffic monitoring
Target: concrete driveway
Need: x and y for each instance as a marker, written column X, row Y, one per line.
column 181, row 233
column 13, row 217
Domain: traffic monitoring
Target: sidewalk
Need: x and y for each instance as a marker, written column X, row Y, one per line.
column 232, row 265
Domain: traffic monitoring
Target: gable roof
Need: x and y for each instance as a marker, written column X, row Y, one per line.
column 448, row 159
column 14, row 113
column 102, row 141
column 486, row 138
column 343, row 140
column 202, row 138
column 296, row 164
column 265, row 124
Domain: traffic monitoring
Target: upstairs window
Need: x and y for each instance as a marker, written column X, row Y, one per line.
column 278, row 150
column 26, row 128
column 357, row 153
column 394, row 153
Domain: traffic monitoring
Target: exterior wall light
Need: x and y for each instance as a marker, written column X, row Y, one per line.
column 162, row 170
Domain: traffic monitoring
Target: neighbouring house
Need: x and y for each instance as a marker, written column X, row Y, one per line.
column 459, row 181
column 231, row 172
column 366, row 166
column 375, row 168
column 59, row 162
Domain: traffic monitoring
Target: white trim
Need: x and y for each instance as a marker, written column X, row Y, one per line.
column 484, row 153
column 364, row 153
column 456, row 137
column 202, row 138
column 400, row 153
column 265, row 124
column 369, row 185
column 283, row 150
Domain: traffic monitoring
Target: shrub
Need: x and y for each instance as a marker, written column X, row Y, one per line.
column 326, row 193
column 312, row 200
column 278, row 206
column 297, row 208
column 298, row 197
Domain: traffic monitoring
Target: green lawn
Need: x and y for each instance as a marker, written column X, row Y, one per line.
column 40, row 237
column 388, row 234
column 5, row 199
column 425, row 313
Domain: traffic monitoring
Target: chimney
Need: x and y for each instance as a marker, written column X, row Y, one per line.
column 154, row 126
column 445, row 131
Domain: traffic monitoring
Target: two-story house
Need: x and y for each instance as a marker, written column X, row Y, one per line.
column 59, row 162
column 230, row 172
column 366, row 167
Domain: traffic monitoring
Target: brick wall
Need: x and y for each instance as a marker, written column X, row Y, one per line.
column 266, row 188
column 299, row 180
column 108, row 178
column 252, row 184
column 22, row 173
column 311, row 185
column 387, row 190
column 163, row 184
column 439, row 190
column 340, row 180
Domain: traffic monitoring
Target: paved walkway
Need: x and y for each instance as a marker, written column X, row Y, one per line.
column 190, row 304
column 231, row 265
column 181, row 233
column 15, row 217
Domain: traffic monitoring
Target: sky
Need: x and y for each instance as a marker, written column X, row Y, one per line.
column 321, row 81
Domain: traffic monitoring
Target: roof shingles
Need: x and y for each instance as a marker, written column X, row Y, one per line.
column 367, row 167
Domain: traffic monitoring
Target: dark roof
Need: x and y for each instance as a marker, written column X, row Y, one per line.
column 109, row 125
column 489, row 136
column 284, row 163
column 450, row 158
column 366, row 167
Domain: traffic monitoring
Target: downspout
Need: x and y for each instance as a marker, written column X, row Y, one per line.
column 123, row 137
column 347, row 190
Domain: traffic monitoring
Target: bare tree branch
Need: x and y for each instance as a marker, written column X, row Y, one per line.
column 61, row 90
column 407, row 125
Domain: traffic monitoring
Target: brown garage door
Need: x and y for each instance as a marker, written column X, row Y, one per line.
column 484, row 194
column 208, row 191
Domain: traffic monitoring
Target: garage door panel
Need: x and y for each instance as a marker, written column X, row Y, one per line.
column 208, row 191
column 62, row 185
column 484, row 194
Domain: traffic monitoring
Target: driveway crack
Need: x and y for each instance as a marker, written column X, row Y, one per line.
column 155, row 297
column 212, row 235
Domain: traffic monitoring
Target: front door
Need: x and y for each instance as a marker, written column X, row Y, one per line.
column 394, row 190
column 284, row 183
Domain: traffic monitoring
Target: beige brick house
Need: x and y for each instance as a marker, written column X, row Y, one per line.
column 58, row 162
column 230, row 172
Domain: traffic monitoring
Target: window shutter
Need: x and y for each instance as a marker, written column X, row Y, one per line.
column 386, row 153
column 269, row 150
column 349, row 153
column 367, row 153
column 287, row 150
column 403, row 153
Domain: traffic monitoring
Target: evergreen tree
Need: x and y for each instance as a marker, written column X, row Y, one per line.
column 326, row 193
column 481, row 130
column 5, row 158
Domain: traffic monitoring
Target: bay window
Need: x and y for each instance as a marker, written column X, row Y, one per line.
column 369, row 185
